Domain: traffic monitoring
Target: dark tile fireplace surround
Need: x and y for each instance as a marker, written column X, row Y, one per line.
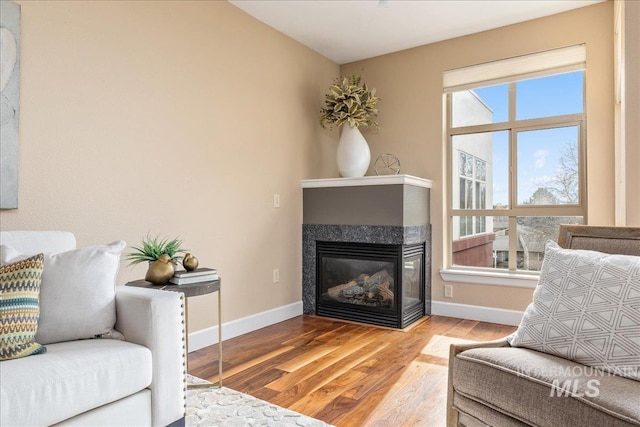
column 367, row 249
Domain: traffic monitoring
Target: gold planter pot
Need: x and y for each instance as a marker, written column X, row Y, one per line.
column 160, row 271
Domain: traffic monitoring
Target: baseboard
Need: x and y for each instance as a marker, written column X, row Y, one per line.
column 209, row 336
column 477, row 312
column 234, row 328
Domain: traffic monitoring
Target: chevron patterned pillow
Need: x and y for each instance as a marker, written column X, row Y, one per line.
column 19, row 309
column 586, row 308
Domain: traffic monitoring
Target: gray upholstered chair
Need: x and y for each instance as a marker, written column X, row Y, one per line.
column 490, row 383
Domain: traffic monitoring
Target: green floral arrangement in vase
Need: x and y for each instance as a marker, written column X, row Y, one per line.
column 350, row 101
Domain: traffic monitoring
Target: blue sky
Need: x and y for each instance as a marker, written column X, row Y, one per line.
column 539, row 151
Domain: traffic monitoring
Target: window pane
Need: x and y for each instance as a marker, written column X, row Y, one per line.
column 550, row 96
column 467, row 169
column 480, row 106
column 500, row 226
column 489, row 245
column 465, row 226
column 481, row 170
column 480, row 158
column 469, row 192
column 547, row 162
column 481, row 195
column 533, row 232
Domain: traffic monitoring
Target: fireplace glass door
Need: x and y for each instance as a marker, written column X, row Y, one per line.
column 412, row 284
column 358, row 281
column 380, row 284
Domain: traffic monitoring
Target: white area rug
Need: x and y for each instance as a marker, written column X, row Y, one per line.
column 225, row 407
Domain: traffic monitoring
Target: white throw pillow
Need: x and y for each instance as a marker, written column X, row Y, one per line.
column 77, row 294
column 586, row 308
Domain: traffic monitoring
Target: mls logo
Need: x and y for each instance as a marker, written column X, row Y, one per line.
column 572, row 388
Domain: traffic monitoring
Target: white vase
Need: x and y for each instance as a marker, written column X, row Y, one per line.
column 353, row 153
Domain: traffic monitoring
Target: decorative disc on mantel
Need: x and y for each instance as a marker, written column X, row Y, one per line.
column 387, row 164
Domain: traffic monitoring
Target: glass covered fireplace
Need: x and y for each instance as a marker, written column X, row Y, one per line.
column 379, row 284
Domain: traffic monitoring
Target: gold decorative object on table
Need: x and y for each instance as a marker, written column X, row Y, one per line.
column 189, row 262
column 160, row 271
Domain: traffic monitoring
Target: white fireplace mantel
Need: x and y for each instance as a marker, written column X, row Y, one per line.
column 367, row 180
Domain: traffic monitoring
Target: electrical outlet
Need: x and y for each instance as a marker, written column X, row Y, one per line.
column 276, row 200
column 448, row 291
column 276, row 275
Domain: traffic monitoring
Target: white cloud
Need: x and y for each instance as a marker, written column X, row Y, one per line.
column 541, row 157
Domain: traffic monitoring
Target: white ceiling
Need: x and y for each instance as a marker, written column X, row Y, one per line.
column 350, row 30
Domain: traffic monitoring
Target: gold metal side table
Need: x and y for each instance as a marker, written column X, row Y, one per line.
column 193, row 290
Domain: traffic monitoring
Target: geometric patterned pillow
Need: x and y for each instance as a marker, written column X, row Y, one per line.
column 586, row 308
column 19, row 310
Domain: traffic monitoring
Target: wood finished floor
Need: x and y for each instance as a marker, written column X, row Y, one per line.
column 346, row 374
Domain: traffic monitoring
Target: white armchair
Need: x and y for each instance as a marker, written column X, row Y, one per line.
column 139, row 380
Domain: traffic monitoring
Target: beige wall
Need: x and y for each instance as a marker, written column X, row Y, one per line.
column 411, row 116
column 182, row 118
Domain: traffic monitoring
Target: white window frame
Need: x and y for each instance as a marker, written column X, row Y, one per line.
column 530, row 66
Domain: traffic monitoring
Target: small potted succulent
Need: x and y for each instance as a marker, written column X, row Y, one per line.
column 161, row 254
column 153, row 247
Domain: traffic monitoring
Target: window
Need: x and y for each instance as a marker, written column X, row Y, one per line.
column 473, row 192
column 516, row 149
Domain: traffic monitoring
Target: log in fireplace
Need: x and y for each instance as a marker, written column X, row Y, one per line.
column 380, row 284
